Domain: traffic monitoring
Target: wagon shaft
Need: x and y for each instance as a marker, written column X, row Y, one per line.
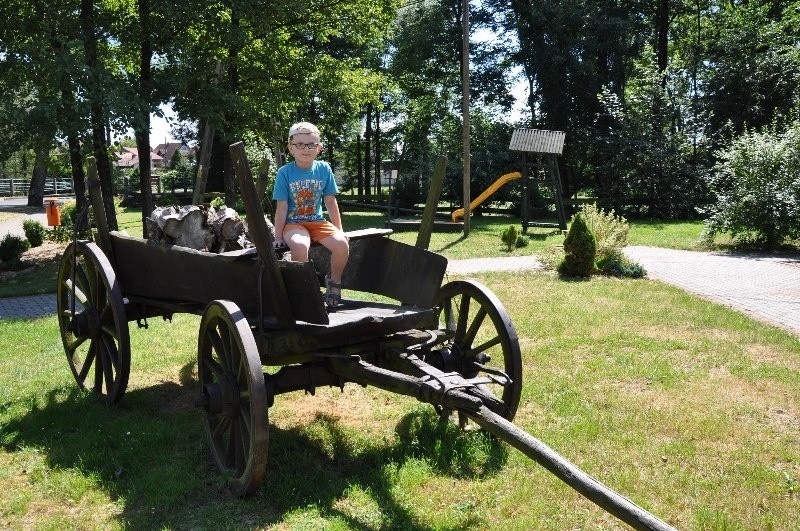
column 457, row 393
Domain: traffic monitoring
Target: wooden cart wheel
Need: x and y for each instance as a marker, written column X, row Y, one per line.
column 91, row 316
column 484, row 342
column 234, row 396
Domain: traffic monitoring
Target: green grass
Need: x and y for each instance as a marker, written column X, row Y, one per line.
column 39, row 280
column 686, row 407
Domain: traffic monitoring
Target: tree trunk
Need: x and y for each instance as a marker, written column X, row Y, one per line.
column 97, row 118
column 662, row 33
column 142, row 121
column 360, row 167
column 78, row 177
column 367, row 152
column 36, row 190
column 377, row 152
column 233, row 84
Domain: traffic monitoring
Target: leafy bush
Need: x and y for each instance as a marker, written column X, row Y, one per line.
column 580, row 248
column 757, row 185
column 509, row 237
column 12, row 247
column 522, row 241
column 69, row 212
column 34, row 232
column 610, row 230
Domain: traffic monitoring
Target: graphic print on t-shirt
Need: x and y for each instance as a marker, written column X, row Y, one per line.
column 305, row 196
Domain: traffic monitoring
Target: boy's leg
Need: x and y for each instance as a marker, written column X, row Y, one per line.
column 339, row 247
column 299, row 241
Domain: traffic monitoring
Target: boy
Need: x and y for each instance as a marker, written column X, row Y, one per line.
column 301, row 187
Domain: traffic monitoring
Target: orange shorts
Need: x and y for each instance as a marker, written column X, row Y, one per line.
column 318, row 230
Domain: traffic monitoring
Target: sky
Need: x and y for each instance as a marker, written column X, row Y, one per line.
column 160, row 127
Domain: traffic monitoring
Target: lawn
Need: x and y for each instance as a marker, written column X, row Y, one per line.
column 688, row 408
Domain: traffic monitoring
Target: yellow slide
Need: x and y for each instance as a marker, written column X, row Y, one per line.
column 459, row 213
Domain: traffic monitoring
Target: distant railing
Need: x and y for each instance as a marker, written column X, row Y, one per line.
column 52, row 185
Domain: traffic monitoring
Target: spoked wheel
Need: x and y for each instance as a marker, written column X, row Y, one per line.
column 234, row 396
column 484, row 347
column 91, row 316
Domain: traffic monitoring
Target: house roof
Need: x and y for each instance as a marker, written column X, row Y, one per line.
column 168, row 149
column 129, row 157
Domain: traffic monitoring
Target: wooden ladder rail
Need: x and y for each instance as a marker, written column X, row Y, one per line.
column 96, row 199
column 260, row 234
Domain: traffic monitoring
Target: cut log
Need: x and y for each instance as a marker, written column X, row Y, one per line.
column 202, row 228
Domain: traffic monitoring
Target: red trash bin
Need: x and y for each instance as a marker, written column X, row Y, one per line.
column 53, row 212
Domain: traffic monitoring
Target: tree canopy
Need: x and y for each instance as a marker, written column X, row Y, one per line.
column 648, row 93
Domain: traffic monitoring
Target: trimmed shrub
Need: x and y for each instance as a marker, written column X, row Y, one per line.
column 580, row 248
column 12, row 247
column 616, row 264
column 34, row 232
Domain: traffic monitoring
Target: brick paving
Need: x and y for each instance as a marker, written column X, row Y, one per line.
column 29, row 307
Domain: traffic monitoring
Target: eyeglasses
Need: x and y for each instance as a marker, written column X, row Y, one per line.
column 306, row 146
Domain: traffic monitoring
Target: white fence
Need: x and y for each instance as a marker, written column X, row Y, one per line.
column 53, row 185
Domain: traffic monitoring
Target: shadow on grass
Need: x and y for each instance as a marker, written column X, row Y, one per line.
column 151, row 452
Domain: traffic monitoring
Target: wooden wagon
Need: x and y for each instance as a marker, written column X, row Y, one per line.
column 451, row 345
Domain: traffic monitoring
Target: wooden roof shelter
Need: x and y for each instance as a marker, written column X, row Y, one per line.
column 545, row 146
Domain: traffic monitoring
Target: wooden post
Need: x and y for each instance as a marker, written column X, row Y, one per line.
column 202, row 168
column 558, row 190
column 96, row 197
column 526, row 191
column 428, row 215
column 465, row 113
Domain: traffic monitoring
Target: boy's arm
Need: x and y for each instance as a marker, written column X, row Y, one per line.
column 333, row 211
column 281, row 210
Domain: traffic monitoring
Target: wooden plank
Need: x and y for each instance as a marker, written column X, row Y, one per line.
column 96, row 198
column 179, row 274
column 390, row 268
column 405, row 225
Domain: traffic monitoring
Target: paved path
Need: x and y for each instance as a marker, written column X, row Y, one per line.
column 766, row 287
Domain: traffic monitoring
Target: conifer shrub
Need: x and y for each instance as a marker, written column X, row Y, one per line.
column 580, row 249
column 34, row 232
column 509, row 237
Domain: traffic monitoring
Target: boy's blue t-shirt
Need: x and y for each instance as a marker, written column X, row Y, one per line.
column 304, row 190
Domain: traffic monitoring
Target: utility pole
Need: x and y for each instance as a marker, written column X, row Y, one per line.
column 465, row 109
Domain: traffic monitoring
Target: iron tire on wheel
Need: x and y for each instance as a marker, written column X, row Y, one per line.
column 234, row 396
column 91, row 317
column 482, row 332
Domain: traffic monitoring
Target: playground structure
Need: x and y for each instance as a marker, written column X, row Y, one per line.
column 544, row 146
